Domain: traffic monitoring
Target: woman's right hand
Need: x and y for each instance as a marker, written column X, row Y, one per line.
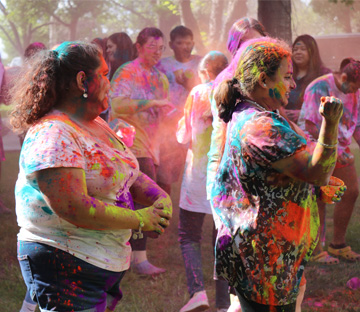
column 331, row 108
column 154, row 219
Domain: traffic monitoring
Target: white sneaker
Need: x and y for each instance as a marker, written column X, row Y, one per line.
column 198, row 302
column 235, row 304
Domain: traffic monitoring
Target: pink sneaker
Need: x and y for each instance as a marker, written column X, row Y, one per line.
column 198, row 302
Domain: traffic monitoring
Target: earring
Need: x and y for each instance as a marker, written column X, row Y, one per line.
column 264, row 85
column 85, row 95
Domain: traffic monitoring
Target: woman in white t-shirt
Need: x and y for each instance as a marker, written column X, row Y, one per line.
column 76, row 185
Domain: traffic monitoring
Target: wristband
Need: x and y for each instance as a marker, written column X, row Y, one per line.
column 138, row 234
column 328, row 145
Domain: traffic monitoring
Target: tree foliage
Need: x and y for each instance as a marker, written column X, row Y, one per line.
column 342, row 14
column 53, row 21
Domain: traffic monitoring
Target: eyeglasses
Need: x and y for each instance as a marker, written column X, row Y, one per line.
column 155, row 48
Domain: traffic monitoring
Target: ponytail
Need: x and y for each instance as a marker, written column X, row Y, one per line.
column 227, row 95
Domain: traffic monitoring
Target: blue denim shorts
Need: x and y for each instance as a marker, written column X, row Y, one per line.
column 58, row 281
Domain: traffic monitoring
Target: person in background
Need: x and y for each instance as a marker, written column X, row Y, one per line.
column 181, row 71
column 32, row 49
column 76, row 185
column 181, row 68
column 241, row 31
column 119, row 50
column 139, row 96
column 307, row 67
column 343, row 84
column 265, row 241
column 194, row 129
column 101, row 43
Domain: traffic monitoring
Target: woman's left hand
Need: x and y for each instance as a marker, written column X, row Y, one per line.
column 165, row 204
column 338, row 194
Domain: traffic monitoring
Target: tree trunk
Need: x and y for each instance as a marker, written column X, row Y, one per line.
column 275, row 15
column 166, row 20
column 236, row 9
column 216, row 19
column 345, row 19
column 188, row 19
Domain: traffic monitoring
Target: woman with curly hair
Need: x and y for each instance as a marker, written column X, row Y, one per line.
column 76, row 185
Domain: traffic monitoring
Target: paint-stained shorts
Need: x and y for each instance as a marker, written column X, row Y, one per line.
column 58, row 281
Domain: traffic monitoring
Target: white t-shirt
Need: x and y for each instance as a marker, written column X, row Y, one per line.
column 195, row 128
column 57, row 141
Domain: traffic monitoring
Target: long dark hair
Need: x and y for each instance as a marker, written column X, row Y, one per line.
column 316, row 66
column 124, row 51
column 47, row 81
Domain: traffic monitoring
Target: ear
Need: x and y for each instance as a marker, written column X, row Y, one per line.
column 171, row 45
column 262, row 80
column 343, row 78
column 138, row 47
column 81, row 80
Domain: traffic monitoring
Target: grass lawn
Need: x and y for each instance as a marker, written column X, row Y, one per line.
column 326, row 290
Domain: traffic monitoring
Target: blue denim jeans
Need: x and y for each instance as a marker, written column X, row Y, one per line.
column 190, row 230
column 58, row 281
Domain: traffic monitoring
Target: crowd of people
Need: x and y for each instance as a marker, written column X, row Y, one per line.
column 107, row 127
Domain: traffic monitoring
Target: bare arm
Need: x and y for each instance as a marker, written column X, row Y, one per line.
column 146, row 192
column 317, row 167
column 66, row 193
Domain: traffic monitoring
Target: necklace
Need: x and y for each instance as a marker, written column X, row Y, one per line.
column 256, row 105
column 261, row 107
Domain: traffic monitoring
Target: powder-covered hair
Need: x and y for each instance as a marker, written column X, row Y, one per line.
column 214, row 62
column 33, row 48
column 260, row 55
column 47, row 80
column 239, row 29
column 351, row 68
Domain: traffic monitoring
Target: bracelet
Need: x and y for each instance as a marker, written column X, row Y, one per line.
column 138, row 234
column 328, row 145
